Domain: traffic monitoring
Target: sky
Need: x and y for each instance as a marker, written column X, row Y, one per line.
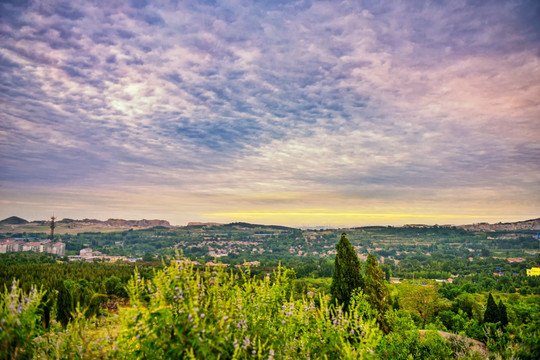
column 321, row 113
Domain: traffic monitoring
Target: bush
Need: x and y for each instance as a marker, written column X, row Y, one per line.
column 414, row 345
column 20, row 322
column 205, row 314
column 210, row 314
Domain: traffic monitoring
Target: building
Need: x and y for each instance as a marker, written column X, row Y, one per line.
column 85, row 252
column 45, row 246
column 535, row 271
column 32, row 246
column 58, row 249
column 6, row 246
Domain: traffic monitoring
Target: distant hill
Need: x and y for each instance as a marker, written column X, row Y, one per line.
column 257, row 226
column 74, row 226
column 13, row 220
column 117, row 223
column 205, row 224
column 71, row 226
column 533, row 224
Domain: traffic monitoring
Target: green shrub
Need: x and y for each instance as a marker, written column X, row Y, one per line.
column 209, row 314
column 414, row 345
column 20, row 322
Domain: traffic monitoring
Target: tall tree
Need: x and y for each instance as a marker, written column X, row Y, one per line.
column 503, row 315
column 376, row 290
column 491, row 315
column 347, row 272
column 64, row 304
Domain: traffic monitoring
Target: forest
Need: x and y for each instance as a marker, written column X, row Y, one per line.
column 430, row 293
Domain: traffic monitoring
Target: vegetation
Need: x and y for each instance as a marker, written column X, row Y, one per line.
column 377, row 292
column 451, row 295
column 347, row 272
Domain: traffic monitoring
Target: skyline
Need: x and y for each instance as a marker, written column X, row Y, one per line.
column 294, row 113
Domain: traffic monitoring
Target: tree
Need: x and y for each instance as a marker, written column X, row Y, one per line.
column 503, row 316
column 147, row 257
column 64, row 304
column 347, row 272
column 114, row 286
column 491, row 315
column 376, row 291
column 421, row 299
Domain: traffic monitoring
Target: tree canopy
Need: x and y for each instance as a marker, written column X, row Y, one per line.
column 347, row 272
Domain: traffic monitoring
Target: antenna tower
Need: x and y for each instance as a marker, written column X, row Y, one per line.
column 53, row 225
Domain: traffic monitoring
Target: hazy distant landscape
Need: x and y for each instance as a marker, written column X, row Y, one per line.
column 237, row 241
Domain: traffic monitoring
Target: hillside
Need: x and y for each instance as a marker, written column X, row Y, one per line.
column 533, row 224
column 13, row 220
column 70, row 226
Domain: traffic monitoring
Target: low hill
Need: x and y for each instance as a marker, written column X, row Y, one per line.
column 71, row 226
column 533, row 224
column 243, row 225
column 13, row 220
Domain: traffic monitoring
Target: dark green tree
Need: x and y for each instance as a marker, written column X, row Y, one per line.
column 347, row 272
column 503, row 316
column 64, row 304
column 376, row 290
column 148, row 257
column 491, row 315
column 114, row 286
column 45, row 308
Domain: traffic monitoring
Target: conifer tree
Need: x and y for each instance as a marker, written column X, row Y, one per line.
column 491, row 315
column 64, row 304
column 347, row 272
column 503, row 316
column 376, row 290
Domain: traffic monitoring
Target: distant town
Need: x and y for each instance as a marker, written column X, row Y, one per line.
column 43, row 246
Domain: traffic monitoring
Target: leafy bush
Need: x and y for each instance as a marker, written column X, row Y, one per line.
column 187, row 313
column 209, row 314
column 20, row 322
column 414, row 345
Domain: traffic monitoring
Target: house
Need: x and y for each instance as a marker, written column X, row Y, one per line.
column 535, row 271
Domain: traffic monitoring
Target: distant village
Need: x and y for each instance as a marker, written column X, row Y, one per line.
column 44, row 246
column 88, row 254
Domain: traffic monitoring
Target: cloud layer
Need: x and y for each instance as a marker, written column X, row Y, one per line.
column 197, row 110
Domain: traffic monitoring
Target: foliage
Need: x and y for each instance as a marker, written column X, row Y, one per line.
column 413, row 345
column 491, row 315
column 114, row 287
column 19, row 324
column 203, row 314
column 503, row 315
column 468, row 259
column 183, row 312
column 76, row 294
column 422, row 299
column 347, row 272
column 376, row 290
column 498, row 340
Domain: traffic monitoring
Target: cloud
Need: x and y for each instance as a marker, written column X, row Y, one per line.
column 354, row 99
